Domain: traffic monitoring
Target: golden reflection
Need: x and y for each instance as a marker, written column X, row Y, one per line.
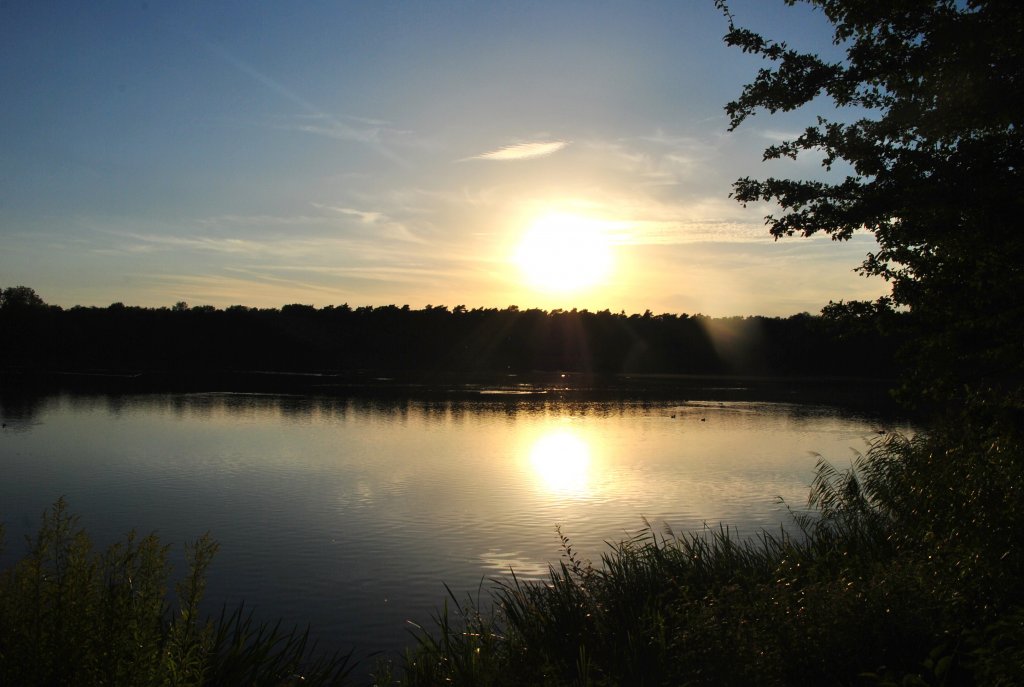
column 561, row 460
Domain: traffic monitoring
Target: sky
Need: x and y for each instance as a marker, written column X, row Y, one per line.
column 539, row 154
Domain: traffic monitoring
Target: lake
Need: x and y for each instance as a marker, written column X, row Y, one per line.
column 351, row 513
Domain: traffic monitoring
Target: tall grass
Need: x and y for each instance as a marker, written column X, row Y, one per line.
column 904, row 569
column 72, row 616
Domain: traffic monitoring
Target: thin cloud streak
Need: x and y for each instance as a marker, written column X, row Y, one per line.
column 261, row 220
column 384, row 273
column 364, row 216
column 277, row 247
column 683, row 232
column 226, row 289
column 334, row 128
column 521, row 151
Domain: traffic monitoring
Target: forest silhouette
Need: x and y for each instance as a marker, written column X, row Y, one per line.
column 435, row 340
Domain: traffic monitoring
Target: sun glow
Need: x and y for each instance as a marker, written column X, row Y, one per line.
column 564, row 253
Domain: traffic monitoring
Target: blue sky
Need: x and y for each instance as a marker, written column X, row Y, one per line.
column 371, row 153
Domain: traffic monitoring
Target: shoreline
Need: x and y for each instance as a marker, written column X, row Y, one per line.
column 849, row 392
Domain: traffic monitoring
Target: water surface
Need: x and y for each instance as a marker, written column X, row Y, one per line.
column 351, row 514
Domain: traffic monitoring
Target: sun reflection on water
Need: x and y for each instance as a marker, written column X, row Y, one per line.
column 561, row 461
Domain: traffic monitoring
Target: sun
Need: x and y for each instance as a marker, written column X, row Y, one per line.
column 564, row 253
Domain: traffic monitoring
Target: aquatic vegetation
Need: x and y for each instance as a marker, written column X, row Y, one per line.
column 74, row 616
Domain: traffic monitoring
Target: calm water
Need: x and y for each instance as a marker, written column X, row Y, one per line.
column 351, row 514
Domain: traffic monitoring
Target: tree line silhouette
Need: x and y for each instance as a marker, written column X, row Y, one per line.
column 303, row 339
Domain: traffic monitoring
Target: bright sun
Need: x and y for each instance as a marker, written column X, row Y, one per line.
column 563, row 253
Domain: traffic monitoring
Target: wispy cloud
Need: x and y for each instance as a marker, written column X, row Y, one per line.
column 391, row 274
column 521, row 151
column 657, row 160
column 244, row 287
column 631, row 217
column 386, row 226
column 313, row 119
column 234, row 221
column 780, row 136
column 680, row 232
column 148, row 243
column 372, row 132
column 335, row 129
column 365, row 216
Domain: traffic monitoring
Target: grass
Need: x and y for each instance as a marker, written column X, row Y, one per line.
column 903, row 569
column 74, row 616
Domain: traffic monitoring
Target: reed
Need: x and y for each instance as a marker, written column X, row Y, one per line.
column 73, row 616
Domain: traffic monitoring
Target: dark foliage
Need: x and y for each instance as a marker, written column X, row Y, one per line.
column 301, row 338
column 929, row 101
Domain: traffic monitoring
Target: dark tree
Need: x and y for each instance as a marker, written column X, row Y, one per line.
column 20, row 298
column 929, row 111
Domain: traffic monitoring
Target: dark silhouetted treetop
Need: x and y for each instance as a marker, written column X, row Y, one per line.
column 20, row 298
column 435, row 339
column 928, row 110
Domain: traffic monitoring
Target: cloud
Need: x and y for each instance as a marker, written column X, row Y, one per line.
column 338, row 131
column 686, row 231
column 149, row 243
column 780, row 136
column 633, row 217
column 249, row 288
column 521, row 151
column 313, row 120
column 660, row 160
column 390, row 274
column 229, row 221
column 386, row 226
column 364, row 216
